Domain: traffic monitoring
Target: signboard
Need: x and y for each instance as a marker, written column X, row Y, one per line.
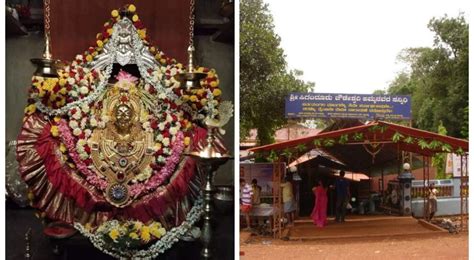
column 322, row 105
column 453, row 165
column 263, row 172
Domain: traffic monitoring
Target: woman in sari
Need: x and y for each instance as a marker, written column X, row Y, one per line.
column 319, row 214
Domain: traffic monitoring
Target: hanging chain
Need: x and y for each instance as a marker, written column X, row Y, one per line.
column 191, row 23
column 47, row 20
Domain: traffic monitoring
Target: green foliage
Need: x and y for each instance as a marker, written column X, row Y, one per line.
column 329, row 142
column 446, row 148
column 439, row 159
column 408, row 140
column 343, row 139
column 397, row 137
column 301, row 148
column 422, row 143
column 264, row 79
column 273, row 157
column 317, row 142
column 358, row 137
column 438, row 78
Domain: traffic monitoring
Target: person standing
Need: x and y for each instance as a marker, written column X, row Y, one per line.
column 289, row 206
column 342, row 197
column 319, row 214
column 246, row 194
column 432, row 201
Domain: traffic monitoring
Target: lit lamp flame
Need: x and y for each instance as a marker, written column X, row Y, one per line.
column 210, row 148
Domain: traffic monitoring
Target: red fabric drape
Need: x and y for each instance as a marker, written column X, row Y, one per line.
column 74, row 25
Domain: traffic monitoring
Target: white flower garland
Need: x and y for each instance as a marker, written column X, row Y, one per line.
column 172, row 236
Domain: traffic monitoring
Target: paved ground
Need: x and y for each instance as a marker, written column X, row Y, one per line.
column 442, row 247
column 306, row 242
column 359, row 227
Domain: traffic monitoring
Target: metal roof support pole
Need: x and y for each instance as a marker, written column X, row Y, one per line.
column 424, row 187
column 464, row 194
column 277, row 175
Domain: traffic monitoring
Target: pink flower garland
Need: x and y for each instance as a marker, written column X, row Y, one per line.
column 136, row 189
column 69, row 141
column 157, row 179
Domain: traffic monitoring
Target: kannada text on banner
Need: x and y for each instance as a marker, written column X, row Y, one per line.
column 319, row 105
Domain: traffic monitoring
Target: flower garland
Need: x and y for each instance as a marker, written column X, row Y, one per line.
column 68, row 140
column 158, row 178
column 165, row 242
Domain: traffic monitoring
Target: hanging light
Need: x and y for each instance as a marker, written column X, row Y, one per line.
column 191, row 78
column 46, row 66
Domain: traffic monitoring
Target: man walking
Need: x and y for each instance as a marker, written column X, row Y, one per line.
column 342, row 197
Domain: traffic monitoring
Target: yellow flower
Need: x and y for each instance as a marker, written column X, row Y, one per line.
column 132, row 8
column 154, row 230
column 114, row 13
column 193, row 98
column 200, row 69
column 162, row 231
column 133, row 235
column 152, row 49
column 62, row 148
column 142, row 33
column 187, row 140
column 163, row 61
column 216, row 92
column 185, row 98
column 54, row 131
column 114, row 233
column 157, row 146
column 145, row 234
column 100, row 43
column 135, row 18
column 62, row 82
column 63, row 91
column 110, row 31
column 30, row 109
column 203, row 101
column 57, row 119
column 210, row 74
column 188, row 125
column 213, row 84
column 89, row 58
column 88, row 226
column 200, row 91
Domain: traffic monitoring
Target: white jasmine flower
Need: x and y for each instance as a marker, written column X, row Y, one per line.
column 93, row 122
column 173, row 130
column 162, row 96
column 73, row 124
column 76, row 132
column 85, row 108
column 71, row 81
column 84, row 90
column 166, row 141
column 161, row 126
column 159, row 137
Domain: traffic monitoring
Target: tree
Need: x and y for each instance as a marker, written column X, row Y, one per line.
column 264, row 79
column 439, row 160
column 437, row 78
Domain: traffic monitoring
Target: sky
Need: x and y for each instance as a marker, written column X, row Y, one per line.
column 352, row 46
